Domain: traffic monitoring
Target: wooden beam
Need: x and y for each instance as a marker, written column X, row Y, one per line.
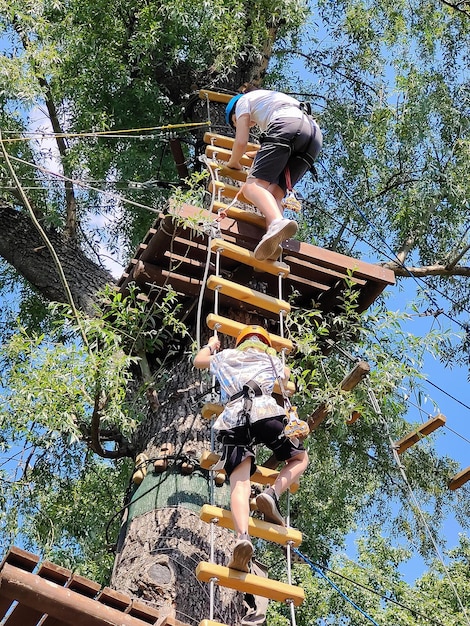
column 245, row 294
column 249, row 583
column 209, row 622
column 281, row 535
column 425, row 429
column 459, row 479
column 249, row 217
column 61, row 603
column 215, row 96
column 227, row 172
column 221, row 154
column 353, row 378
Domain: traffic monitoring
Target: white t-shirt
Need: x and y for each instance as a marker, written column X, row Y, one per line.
column 234, row 368
column 264, row 106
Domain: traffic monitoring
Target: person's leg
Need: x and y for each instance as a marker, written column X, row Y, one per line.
column 291, row 472
column 265, row 197
column 240, row 487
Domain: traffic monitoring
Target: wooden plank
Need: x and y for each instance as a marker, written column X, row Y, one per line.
column 215, row 96
column 231, row 328
column 226, row 172
column 222, row 154
column 425, row 429
column 20, row 558
column 240, row 215
column 256, row 528
column 237, row 253
column 227, row 191
column 227, row 142
column 262, row 476
column 209, row 622
column 459, row 479
column 249, row 583
column 245, row 294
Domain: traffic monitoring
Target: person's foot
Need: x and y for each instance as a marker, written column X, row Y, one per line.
column 268, row 504
column 278, row 231
column 242, row 553
column 276, row 255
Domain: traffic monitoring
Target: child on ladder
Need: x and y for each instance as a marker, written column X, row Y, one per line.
column 247, row 375
column 290, row 143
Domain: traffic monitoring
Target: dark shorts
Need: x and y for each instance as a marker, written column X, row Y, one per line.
column 237, row 444
column 272, row 158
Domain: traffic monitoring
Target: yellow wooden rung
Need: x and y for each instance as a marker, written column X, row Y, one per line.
column 215, row 96
column 227, row 142
column 210, row 410
column 223, row 170
column 222, row 154
column 459, row 479
column 249, row 583
column 237, row 253
column 209, row 622
column 256, row 527
column 262, row 476
column 252, row 297
column 228, row 191
column 229, row 327
column 249, row 217
column 425, row 429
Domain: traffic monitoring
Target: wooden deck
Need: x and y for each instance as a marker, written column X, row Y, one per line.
column 174, row 254
column 54, row 596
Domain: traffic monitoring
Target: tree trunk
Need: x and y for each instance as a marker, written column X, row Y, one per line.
column 162, row 538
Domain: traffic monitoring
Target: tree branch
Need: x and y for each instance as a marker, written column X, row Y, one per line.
column 427, row 270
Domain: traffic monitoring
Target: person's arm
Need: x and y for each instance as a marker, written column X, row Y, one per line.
column 242, row 135
column 202, row 360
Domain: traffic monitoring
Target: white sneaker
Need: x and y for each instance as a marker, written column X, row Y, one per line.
column 277, row 232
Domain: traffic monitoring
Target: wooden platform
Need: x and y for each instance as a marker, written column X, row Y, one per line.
column 54, row 596
column 174, row 254
column 249, row 583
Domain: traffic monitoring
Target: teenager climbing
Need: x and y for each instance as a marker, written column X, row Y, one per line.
column 290, row 143
column 251, row 415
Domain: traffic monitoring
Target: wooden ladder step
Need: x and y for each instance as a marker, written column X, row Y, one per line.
column 256, row 527
column 209, row 622
column 459, row 479
column 245, row 294
column 249, row 583
column 229, row 327
column 222, row 154
column 240, row 215
column 227, row 191
column 262, row 476
column 237, row 253
column 227, row 142
column 425, row 429
column 215, row 96
column 227, row 172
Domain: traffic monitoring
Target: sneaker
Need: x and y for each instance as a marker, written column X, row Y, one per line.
column 276, row 255
column 268, row 504
column 278, row 231
column 242, row 553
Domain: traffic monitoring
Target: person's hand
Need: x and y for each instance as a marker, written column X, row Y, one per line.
column 214, row 343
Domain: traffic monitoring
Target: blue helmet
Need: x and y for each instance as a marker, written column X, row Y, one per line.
column 231, row 108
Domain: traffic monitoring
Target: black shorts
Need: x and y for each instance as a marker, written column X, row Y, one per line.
column 272, row 158
column 237, row 443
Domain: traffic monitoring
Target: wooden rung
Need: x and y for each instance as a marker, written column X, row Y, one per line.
column 215, row 96
column 459, row 479
column 237, row 253
column 227, row 142
column 222, row 154
column 262, row 476
column 249, row 583
column 227, row 172
column 210, row 410
column 229, row 327
column 423, row 430
column 240, row 215
column 209, row 622
column 227, row 191
column 252, row 297
column 256, row 527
